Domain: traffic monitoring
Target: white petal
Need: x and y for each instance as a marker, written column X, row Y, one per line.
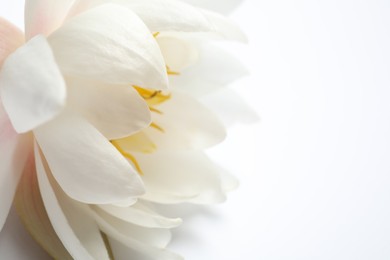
column 178, row 53
column 79, row 234
column 85, row 164
column 225, row 28
column 31, row 86
column 44, row 16
column 187, row 124
column 14, row 152
column 141, row 215
column 31, row 210
column 110, row 43
column 173, row 177
column 10, row 39
column 167, row 15
column 116, row 111
column 230, row 107
column 139, row 239
column 215, row 69
column 221, row 6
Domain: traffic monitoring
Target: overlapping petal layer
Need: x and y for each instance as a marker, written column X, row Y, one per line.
column 85, row 164
column 31, row 86
column 111, row 44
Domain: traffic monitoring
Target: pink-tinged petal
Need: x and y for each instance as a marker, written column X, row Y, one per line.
column 10, row 39
column 85, row 164
column 77, row 231
column 31, row 210
column 14, row 152
column 32, row 88
column 44, row 16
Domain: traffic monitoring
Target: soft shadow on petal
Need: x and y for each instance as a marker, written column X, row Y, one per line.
column 85, row 164
column 14, row 152
column 78, row 232
column 32, row 88
column 30, row 208
column 111, row 44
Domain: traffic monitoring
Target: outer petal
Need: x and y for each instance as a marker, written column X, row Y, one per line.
column 186, row 124
column 30, row 207
column 31, row 85
column 14, row 152
column 116, row 111
column 141, row 215
column 215, row 69
column 181, row 177
column 221, row 6
column 167, row 15
column 87, row 167
column 78, row 233
column 139, row 239
column 44, row 16
column 10, row 39
column 230, row 107
column 110, row 44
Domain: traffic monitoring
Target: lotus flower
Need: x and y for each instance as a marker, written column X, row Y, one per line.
column 88, row 89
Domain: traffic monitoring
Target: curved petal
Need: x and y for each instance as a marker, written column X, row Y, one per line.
column 215, row 69
column 167, row 15
column 31, row 86
column 30, row 208
column 111, row 44
column 230, row 107
column 44, row 16
column 221, row 6
column 116, row 111
column 85, row 164
column 174, row 177
column 10, row 39
column 14, row 152
column 185, row 124
column 141, row 215
column 76, row 230
column 139, row 239
column 178, row 53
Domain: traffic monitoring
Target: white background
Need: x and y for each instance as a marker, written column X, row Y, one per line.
column 315, row 171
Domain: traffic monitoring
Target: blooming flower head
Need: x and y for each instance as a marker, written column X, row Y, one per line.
column 88, row 123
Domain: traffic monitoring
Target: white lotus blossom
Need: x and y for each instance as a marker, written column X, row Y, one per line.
column 94, row 71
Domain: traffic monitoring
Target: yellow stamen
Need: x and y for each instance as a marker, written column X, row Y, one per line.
column 171, row 72
column 128, row 156
column 157, row 127
column 156, row 34
column 152, row 97
column 155, row 110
